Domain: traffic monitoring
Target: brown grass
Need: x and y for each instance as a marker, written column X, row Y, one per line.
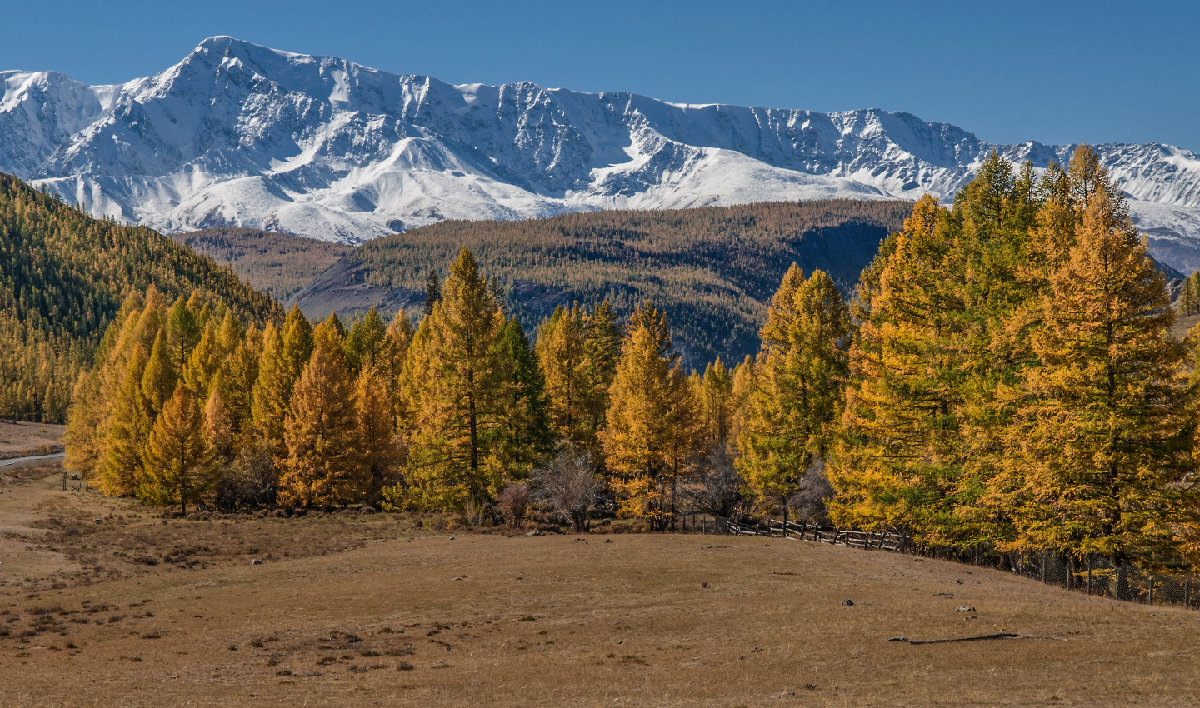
column 18, row 439
column 367, row 609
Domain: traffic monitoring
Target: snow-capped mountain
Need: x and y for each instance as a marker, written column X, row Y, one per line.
column 239, row 134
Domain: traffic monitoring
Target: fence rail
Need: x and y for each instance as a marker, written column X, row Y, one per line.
column 1098, row 576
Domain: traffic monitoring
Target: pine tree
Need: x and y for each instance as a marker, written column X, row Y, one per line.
column 323, row 465
column 433, row 291
column 183, row 333
column 524, row 436
column 1104, row 427
column 178, row 461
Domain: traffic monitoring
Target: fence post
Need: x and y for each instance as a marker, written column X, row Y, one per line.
column 1089, row 579
column 1150, row 597
column 1045, row 561
column 1187, row 592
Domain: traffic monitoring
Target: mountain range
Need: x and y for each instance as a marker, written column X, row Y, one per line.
column 237, row 134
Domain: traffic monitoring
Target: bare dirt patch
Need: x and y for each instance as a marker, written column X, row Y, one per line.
column 362, row 617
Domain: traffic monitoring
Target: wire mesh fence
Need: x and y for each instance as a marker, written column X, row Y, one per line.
column 1095, row 576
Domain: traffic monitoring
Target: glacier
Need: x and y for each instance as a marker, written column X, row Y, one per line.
column 237, row 134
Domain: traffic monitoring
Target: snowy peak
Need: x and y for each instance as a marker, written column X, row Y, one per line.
column 244, row 135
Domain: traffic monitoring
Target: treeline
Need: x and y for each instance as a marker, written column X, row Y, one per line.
column 1004, row 380
column 187, row 405
column 1013, row 384
column 63, row 276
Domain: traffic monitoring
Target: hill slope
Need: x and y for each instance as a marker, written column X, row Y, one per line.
column 712, row 269
column 237, row 134
column 63, row 276
column 275, row 263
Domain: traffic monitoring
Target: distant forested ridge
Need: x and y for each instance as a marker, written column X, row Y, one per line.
column 63, row 277
column 712, row 270
column 276, row 263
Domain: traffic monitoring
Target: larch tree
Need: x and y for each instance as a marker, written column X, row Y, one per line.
column 898, row 456
column 651, row 421
column 799, row 378
column 159, row 376
column 323, row 465
column 382, row 454
column 452, row 393
column 1105, row 429
column 271, row 396
column 563, row 359
column 178, row 460
column 128, row 431
column 218, row 428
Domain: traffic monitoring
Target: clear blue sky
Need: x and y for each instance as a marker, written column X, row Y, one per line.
column 1009, row 71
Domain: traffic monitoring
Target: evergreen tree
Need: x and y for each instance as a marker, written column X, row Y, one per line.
column 324, row 465
column 183, row 333
column 524, row 435
column 433, row 291
column 179, row 466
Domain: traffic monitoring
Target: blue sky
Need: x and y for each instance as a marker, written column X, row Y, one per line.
column 1008, row 71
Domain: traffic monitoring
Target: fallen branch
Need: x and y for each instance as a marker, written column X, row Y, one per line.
column 978, row 638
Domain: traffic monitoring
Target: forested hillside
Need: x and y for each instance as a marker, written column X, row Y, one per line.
column 63, row 276
column 275, row 263
column 712, row 270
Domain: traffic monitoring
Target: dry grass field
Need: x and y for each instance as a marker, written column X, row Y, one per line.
column 103, row 602
column 21, row 438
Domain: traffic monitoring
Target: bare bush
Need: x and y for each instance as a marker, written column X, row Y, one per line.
column 569, row 485
column 809, row 501
column 251, row 479
column 513, row 503
column 717, row 489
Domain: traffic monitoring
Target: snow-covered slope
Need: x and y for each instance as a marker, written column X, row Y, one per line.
column 239, row 134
